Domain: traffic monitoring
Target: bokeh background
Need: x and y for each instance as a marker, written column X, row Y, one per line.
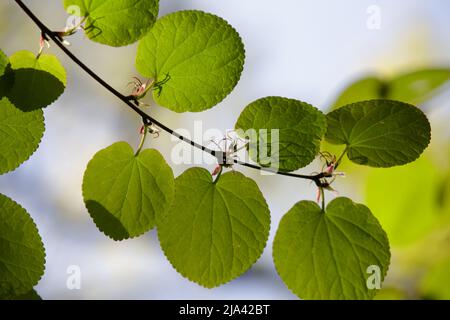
column 307, row 50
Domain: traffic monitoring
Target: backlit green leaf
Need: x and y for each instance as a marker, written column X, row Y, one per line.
column 364, row 89
column 20, row 135
column 414, row 87
column 115, row 22
column 37, row 82
column 197, row 58
column 214, row 232
column 124, row 193
column 418, row 86
column 298, row 130
column 326, row 255
column 22, row 255
column 380, row 133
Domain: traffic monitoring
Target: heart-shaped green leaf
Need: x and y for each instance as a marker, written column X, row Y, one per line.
column 22, row 254
column 197, row 59
column 115, row 22
column 125, row 194
column 36, row 82
column 20, row 134
column 380, row 133
column 214, row 232
column 284, row 134
column 339, row 253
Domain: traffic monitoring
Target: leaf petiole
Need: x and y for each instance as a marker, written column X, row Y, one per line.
column 218, row 175
column 323, row 199
column 338, row 162
column 141, row 143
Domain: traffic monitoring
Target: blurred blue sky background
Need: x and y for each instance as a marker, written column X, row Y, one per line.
column 307, row 50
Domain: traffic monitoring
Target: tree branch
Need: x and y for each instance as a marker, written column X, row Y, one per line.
column 147, row 118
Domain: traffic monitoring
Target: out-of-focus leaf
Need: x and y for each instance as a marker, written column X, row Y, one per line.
column 404, row 200
column 436, row 283
column 390, row 293
column 368, row 88
column 416, row 87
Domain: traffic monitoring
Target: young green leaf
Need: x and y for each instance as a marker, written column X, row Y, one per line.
column 284, row 134
column 196, row 57
column 331, row 254
column 37, row 82
column 214, row 232
column 124, row 193
column 418, row 86
column 20, row 135
column 380, row 133
column 368, row 88
column 115, row 22
column 22, row 255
